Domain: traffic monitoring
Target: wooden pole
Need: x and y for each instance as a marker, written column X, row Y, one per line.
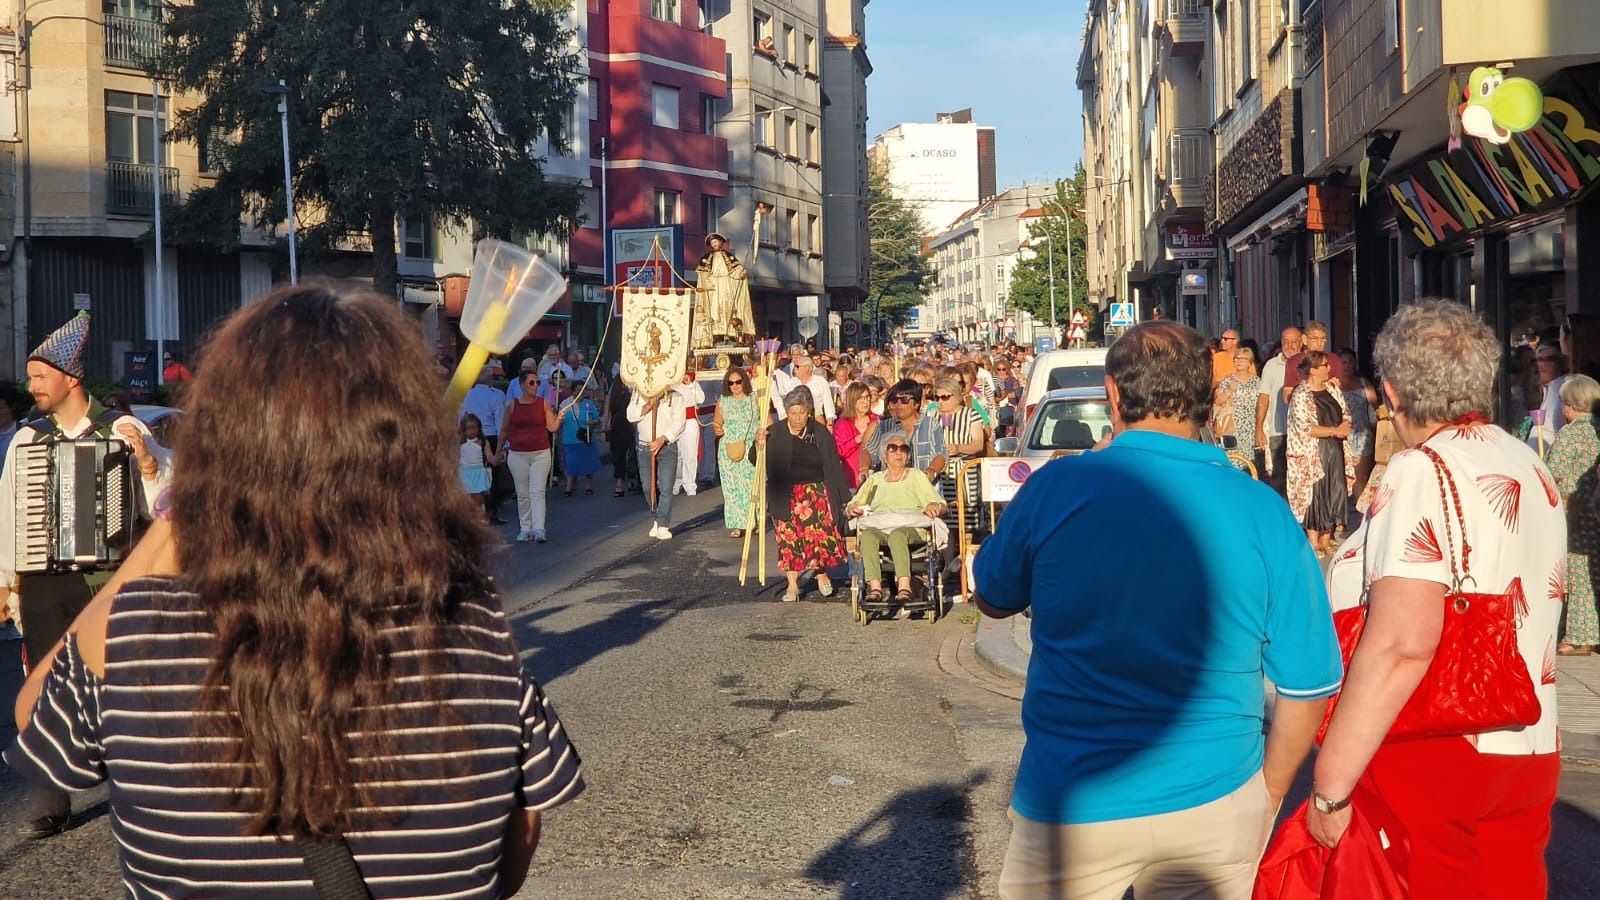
column 655, row 489
column 761, row 473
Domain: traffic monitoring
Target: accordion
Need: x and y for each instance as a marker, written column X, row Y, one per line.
column 75, row 505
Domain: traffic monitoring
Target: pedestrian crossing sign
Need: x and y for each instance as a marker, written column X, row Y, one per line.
column 1122, row 315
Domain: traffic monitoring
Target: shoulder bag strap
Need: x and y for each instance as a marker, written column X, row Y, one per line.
column 333, row 869
column 1450, row 498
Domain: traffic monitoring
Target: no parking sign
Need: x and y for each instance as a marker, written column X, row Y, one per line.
column 1000, row 479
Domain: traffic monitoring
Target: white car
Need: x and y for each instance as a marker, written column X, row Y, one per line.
column 1058, row 369
column 159, row 419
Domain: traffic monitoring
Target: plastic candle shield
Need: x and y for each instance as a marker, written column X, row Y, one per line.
column 511, row 290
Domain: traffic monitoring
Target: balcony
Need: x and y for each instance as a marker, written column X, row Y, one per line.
column 131, row 43
column 130, row 188
column 1189, row 162
column 1187, row 26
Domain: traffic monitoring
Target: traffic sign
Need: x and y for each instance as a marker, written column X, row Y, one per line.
column 1122, row 315
column 850, row 327
column 999, row 478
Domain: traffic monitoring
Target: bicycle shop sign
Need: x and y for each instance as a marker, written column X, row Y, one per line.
column 1189, row 240
column 1454, row 195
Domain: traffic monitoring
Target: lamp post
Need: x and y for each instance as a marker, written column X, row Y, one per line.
column 1050, row 251
column 281, row 91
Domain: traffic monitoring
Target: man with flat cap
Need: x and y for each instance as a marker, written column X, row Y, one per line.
column 50, row 602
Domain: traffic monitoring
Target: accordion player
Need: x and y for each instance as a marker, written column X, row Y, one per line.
column 75, row 507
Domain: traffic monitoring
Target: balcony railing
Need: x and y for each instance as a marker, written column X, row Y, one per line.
column 132, row 42
column 1189, row 162
column 130, row 188
column 1187, row 25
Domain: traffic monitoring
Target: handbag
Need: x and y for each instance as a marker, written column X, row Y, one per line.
column 736, row 450
column 1385, row 441
column 333, row 869
column 1367, row 864
column 1478, row 680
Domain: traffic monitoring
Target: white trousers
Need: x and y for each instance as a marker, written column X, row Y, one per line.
column 530, row 472
column 688, row 457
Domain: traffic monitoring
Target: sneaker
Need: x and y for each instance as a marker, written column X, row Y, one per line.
column 689, row 492
column 663, row 533
column 539, row 536
column 655, row 530
column 523, row 537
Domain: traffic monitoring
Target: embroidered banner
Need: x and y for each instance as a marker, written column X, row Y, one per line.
column 655, row 337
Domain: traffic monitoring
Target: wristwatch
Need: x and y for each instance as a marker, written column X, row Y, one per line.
column 1323, row 805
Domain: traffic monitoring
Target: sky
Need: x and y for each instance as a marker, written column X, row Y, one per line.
column 1014, row 62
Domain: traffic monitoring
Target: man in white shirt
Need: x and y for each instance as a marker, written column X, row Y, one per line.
column 579, row 371
column 1272, row 413
column 552, row 362
column 1548, row 418
column 689, row 441
column 805, row 373
column 659, row 421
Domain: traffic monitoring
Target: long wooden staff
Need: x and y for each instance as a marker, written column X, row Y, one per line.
column 758, row 486
column 761, row 473
column 655, row 451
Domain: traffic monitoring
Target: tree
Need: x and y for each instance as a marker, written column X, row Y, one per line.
column 900, row 274
column 430, row 110
column 1048, row 239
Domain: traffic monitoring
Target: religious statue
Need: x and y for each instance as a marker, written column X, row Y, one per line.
column 722, row 313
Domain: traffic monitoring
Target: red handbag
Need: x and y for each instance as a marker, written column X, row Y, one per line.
column 1478, row 680
column 1367, row 864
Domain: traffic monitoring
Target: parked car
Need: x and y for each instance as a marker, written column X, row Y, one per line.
column 159, row 419
column 1067, row 422
column 1058, row 369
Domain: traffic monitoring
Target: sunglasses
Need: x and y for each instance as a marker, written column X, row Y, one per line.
column 898, row 448
column 944, row 396
column 736, row 383
column 902, row 398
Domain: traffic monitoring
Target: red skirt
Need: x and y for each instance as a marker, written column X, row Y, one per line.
column 809, row 539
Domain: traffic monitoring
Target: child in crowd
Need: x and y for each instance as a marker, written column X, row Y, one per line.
column 475, row 461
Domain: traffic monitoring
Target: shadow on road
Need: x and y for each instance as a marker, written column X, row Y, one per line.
column 1574, row 836
column 914, row 845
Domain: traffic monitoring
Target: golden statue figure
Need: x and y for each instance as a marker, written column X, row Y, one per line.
column 722, row 313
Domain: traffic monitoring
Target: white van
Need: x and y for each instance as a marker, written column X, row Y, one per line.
column 1057, row 369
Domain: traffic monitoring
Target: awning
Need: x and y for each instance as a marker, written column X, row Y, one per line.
column 1285, row 215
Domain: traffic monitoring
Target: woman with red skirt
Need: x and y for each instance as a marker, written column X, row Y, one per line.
column 807, row 490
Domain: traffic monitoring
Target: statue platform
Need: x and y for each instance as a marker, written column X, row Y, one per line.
column 712, row 362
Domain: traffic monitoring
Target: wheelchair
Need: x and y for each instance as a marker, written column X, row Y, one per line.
column 927, row 581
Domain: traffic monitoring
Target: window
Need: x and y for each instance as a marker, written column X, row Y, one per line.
column 762, row 24
column 1391, row 25
column 418, row 238
column 664, row 105
column 594, row 99
column 809, row 60
column 791, row 136
column 814, row 233
column 705, row 16
column 813, row 148
column 788, row 45
column 569, row 133
column 665, row 10
column 763, row 126
column 131, row 127
column 708, row 114
column 711, row 211
column 212, row 146
column 791, row 229
column 769, row 227
column 667, row 208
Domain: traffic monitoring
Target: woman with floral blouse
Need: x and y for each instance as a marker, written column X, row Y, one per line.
column 1572, row 460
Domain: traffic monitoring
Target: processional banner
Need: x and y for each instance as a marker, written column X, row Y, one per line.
column 655, row 337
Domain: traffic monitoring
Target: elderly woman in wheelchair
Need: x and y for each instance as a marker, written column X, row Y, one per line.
column 894, row 507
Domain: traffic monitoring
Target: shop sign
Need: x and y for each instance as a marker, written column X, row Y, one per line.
column 1189, row 240
column 1195, row 283
column 1453, row 196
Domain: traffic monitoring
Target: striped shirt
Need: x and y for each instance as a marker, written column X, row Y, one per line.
column 458, row 763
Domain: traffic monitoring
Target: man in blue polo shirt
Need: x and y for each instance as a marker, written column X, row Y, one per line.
column 1164, row 584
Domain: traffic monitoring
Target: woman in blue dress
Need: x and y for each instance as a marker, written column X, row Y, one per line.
column 579, row 417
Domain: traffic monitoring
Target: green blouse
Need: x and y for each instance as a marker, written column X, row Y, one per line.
column 912, row 493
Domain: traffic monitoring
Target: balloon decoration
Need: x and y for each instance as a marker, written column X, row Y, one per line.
column 1498, row 107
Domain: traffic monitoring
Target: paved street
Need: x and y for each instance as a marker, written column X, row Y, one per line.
column 714, row 721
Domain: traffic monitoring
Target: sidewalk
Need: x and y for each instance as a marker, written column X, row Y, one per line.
column 1005, row 645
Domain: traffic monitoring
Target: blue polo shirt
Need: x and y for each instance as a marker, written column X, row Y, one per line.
column 1164, row 583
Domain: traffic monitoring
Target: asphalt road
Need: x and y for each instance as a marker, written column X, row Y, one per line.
column 736, row 746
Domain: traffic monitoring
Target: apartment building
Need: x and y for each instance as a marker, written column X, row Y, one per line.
column 941, row 169
column 973, row 261
column 845, row 239
column 772, row 121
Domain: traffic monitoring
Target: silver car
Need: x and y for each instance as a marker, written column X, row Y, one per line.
column 1066, row 422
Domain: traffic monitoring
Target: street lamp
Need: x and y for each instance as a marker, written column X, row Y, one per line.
column 281, row 91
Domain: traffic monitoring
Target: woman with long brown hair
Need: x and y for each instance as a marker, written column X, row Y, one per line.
column 331, row 663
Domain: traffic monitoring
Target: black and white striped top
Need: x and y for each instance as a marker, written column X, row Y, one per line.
column 457, row 768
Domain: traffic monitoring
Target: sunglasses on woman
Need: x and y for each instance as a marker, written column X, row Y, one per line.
column 736, row 383
column 944, row 396
column 898, row 448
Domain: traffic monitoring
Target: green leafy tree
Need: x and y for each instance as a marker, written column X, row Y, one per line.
column 430, row 110
column 1049, row 237
column 900, row 274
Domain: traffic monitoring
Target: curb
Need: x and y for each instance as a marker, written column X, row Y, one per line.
column 997, row 648
column 1579, row 747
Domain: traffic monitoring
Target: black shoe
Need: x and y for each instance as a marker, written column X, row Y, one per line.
column 44, row 827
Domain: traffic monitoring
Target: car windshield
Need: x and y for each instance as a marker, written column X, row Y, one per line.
column 1076, row 377
column 1071, row 425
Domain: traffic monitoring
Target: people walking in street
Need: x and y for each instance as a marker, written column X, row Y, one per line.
column 804, row 375
column 621, row 438
column 1573, row 460
column 1468, row 510
column 1316, row 338
column 1272, row 411
column 580, row 458
column 965, row 438
column 525, row 445
column 693, row 395
column 529, row 366
column 475, row 461
column 1237, row 396
column 853, row 429
column 1546, row 417
column 906, row 418
column 223, row 747
column 806, row 493
column 1361, row 400
column 1145, row 764
column 1223, row 362
column 1320, row 468
column 658, row 423
column 488, row 403
column 734, row 424
column 897, row 491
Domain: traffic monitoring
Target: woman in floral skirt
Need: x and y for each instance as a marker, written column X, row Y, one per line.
column 807, row 491
column 735, row 426
column 1572, row 461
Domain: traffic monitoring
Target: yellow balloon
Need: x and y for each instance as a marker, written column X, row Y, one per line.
column 1517, row 105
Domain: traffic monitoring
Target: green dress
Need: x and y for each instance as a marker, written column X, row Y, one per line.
column 738, row 424
column 1572, row 460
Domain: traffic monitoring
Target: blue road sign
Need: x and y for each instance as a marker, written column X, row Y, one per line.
column 1122, row 315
